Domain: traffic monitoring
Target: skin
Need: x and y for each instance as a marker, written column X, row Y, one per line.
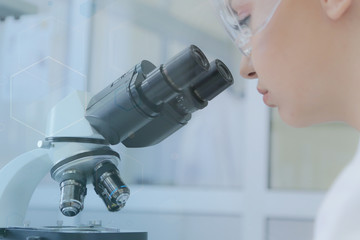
column 307, row 62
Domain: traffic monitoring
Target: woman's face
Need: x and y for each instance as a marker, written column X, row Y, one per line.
column 293, row 58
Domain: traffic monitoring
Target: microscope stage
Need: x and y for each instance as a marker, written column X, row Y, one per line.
column 69, row 233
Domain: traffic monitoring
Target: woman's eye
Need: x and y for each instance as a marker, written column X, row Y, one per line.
column 245, row 21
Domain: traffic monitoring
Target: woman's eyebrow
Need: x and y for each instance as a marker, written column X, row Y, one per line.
column 237, row 5
column 234, row 6
column 231, row 4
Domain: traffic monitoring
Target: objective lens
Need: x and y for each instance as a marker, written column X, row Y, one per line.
column 72, row 197
column 109, row 186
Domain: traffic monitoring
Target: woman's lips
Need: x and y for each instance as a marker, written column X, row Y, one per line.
column 266, row 97
column 262, row 91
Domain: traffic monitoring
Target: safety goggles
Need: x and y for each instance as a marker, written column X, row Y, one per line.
column 245, row 18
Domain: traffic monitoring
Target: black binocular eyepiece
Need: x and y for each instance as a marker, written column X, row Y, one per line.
column 148, row 104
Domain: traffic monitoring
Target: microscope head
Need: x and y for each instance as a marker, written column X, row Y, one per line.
column 148, row 104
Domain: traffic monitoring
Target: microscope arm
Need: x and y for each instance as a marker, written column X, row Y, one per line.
column 19, row 179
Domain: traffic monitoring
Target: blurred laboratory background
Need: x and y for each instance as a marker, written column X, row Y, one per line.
column 236, row 171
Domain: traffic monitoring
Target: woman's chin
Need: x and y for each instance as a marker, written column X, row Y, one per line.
column 297, row 120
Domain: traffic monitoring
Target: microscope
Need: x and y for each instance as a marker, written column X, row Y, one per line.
column 141, row 108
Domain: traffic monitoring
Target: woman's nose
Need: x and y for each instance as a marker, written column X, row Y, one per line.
column 247, row 70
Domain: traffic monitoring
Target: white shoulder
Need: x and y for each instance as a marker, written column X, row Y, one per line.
column 339, row 215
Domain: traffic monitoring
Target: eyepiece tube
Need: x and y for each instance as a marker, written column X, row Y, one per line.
column 109, row 186
column 186, row 66
column 213, row 82
column 172, row 77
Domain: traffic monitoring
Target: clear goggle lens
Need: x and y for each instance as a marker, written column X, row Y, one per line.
column 242, row 19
